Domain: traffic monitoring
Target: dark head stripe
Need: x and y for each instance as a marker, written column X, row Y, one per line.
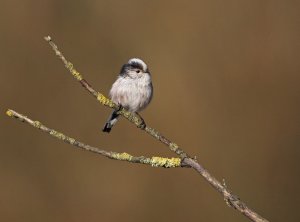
column 136, row 65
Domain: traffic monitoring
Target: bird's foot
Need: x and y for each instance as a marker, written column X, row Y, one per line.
column 119, row 108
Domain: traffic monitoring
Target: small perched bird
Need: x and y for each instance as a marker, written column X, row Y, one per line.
column 132, row 90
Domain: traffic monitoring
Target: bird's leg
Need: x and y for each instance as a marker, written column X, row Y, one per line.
column 119, row 108
column 142, row 124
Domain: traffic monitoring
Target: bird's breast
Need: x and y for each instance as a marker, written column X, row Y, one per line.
column 132, row 94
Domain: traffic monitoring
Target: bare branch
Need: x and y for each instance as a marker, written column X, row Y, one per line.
column 230, row 199
column 132, row 117
column 153, row 161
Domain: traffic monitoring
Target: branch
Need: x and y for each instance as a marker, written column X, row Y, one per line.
column 153, row 161
column 230, row 199
column 132, row 117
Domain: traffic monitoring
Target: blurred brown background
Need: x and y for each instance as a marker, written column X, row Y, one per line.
column 226, row 79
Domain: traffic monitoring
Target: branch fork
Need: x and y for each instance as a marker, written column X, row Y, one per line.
column 183, row 161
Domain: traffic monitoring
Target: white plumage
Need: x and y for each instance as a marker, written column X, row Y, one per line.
column 132, row 90
column 132, row 94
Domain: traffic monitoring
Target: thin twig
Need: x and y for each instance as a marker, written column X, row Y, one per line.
column 132, row 117
column 153, row 161
column 230, row 199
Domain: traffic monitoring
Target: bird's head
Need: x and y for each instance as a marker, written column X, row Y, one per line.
column 134, row 68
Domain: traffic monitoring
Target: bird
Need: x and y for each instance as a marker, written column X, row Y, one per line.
column 132, row 90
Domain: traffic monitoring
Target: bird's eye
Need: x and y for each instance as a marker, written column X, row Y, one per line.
column 138, row 71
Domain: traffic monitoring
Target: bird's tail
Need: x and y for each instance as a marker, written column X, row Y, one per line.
column 111, row 122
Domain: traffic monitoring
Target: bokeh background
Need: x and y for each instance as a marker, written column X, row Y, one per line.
column 226, row 80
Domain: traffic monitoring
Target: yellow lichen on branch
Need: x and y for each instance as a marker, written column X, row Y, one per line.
column 122, row 156
column 73, row 71
column 9, row 113
column 105, row 101
column 153, row 161
column 165, row 162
